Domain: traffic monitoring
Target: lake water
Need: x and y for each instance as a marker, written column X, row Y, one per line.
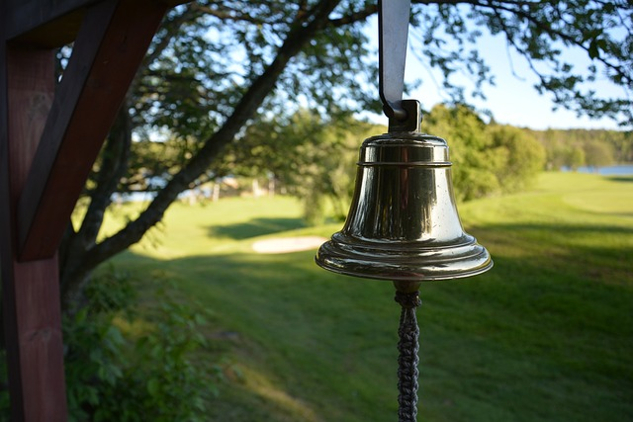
column 620, row 170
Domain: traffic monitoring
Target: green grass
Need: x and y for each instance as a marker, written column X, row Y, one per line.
column 546, row 335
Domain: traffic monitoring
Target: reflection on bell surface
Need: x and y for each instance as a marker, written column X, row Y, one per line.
column 403, row 223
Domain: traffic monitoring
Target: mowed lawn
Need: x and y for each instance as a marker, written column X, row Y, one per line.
column 546, row 335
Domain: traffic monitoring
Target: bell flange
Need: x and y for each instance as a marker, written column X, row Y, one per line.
column 403, row 224
column 403, row 261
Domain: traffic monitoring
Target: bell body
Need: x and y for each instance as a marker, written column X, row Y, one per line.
column 403, row 224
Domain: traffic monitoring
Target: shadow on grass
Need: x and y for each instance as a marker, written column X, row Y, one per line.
column 255, row 227
column 600, row 253
column 562, row 229
column 628, row 179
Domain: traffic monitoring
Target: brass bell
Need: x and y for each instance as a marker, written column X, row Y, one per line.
column 403, row 224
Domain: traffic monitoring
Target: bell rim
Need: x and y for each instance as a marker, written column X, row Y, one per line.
column 397, row 277
column 422, row 263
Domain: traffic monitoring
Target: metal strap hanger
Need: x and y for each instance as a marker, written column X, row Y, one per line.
column 393, row 33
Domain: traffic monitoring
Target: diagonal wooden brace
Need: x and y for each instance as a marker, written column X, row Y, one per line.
column 110, row 45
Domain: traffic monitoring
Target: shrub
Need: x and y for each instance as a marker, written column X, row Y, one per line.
column 121, row 367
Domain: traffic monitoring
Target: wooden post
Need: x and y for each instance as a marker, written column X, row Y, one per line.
column 30, row 290
column 48, row 144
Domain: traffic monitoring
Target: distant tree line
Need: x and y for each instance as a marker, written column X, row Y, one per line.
column 575, row 148
column 314, row 158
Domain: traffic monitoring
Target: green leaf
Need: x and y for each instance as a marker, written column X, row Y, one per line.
column 153, row 387
column 593, row 50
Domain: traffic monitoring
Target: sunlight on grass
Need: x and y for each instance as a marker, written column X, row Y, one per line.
column 264, row 388
column 136, row 328
column 218, row 227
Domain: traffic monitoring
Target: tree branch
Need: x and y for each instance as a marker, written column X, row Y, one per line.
column 302, row 31
column 227, row 15
column 113, row 166
column 546, row 27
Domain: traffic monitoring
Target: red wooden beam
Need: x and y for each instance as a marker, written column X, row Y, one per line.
column 48, row 23
column 30, row 291
column 23, row 16
column 109, row 48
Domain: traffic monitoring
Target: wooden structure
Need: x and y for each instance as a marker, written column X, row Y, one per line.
column 50, row 135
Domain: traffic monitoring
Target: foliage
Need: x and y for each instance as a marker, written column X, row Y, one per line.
column 474, row 160
column 592, row 148
column 539, row 32
column 124, row 366
column 521, row 157
column 486, row 159
column 313, row 158
column 5, row 403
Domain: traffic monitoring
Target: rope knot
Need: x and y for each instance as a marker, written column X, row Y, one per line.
column 408, row 300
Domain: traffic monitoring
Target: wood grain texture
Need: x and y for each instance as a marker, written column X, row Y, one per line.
column 30, row 290
column 41, row 350
column 109, row 48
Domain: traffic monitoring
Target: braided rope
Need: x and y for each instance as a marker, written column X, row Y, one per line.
column 408, row 359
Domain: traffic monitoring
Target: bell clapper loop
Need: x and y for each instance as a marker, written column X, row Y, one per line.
column 411, row 120
column 408, row 347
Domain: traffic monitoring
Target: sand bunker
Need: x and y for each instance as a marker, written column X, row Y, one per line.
column 288, row 244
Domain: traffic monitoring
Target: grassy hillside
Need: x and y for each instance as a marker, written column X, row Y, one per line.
column 547, row 335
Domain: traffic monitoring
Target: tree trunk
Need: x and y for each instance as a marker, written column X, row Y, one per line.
column 83, row 254
column 76, row 245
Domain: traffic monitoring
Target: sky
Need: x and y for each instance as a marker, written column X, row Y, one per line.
column 513, row 100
